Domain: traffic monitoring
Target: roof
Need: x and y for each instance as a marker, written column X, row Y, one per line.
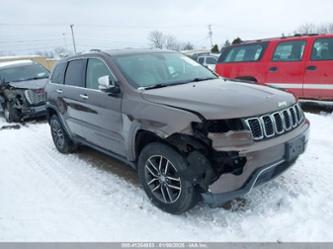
column 115, row 52
column 128, row 51
column 15, row 63
column 288, row 38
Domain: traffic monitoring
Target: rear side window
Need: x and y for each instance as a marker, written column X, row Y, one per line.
column 211, row 60
column 201, row 60
column 75, row 73
column 59, row 73
column 243, row 53
column 322, row 49
column 289, row 51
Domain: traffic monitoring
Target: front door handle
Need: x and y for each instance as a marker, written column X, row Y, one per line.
column 311, row 68
column 273, row 69
column 84, row 96
column 60, row 91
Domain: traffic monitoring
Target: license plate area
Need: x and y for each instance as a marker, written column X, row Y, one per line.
column 294, row 148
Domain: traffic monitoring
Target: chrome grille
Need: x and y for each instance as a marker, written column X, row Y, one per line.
column 256, row 128
column 35, row 97
column 268, row 126
column 275, row 124
column 279, row 127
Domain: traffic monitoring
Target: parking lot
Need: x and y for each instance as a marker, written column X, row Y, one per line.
column 47, row 196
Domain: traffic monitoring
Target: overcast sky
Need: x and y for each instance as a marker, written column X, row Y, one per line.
column 29, row 25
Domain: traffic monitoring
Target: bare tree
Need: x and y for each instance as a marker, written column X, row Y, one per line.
column 310, row 28
column 325, row 29
column 6, row 53
column 307, row 28
column 156, row 39
column 187, row 46
column 159, row 40
column 172, row 43
column 61, row 52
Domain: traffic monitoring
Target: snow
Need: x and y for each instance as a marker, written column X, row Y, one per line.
column 47, row 196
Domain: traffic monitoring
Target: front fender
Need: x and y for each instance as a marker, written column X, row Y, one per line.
column 160, row 120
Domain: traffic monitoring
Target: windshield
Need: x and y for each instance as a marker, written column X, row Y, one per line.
column 164, row 68
column 23, row 73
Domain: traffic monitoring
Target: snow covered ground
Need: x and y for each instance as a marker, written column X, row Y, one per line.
column 46, row 196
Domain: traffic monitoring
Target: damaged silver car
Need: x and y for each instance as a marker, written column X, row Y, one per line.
column 22, row 90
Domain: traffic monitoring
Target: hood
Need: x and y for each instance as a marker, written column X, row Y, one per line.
column 220, row 99
column 30, row 84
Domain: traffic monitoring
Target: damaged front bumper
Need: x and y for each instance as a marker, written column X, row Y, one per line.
column 34, row 111
column 265, row 161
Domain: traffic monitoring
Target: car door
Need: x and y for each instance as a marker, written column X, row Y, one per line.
column 69, row 99
column 102, row 118
column 286, row 68
column 318, row 78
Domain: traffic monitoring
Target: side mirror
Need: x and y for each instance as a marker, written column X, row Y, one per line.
column 106, row 85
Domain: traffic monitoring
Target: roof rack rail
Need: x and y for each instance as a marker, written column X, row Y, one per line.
column 306, row 34
column 95, row 50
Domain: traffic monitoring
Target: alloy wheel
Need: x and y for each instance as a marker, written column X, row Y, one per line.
column 161, row 178
column 58, row 134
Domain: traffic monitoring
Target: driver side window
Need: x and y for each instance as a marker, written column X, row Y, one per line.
column 96, row 68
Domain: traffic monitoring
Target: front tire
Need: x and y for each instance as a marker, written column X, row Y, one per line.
column 10, row 112
column 158, row 167
column 60, row 138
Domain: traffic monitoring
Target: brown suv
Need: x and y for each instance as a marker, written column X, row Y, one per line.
column 190, row 134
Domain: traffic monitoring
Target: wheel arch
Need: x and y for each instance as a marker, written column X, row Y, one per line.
column 181, row 142
column 50, row 111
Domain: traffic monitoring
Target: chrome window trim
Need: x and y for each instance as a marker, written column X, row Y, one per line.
column 83, row 58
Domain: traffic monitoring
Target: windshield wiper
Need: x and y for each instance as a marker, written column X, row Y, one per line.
column 159, row 85
column 197, row 80
column 36, row 78
column 203, row 79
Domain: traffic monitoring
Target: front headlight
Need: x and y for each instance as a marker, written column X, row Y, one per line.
column 219, row 126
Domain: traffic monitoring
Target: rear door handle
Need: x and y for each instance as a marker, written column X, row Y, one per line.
column 84, row 96
column 273, row 69
column 311, row 68
column 60, row 91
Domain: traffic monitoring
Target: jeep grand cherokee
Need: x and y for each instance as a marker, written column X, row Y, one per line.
column 191, row 135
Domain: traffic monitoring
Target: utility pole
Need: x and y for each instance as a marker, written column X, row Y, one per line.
column 210, row 35
column 72, row 25
column 65, row 41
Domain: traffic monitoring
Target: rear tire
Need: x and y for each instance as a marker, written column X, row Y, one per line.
column 158, row 165
column 61, row 140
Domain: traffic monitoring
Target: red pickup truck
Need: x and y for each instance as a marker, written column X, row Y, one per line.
column 301, row 64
